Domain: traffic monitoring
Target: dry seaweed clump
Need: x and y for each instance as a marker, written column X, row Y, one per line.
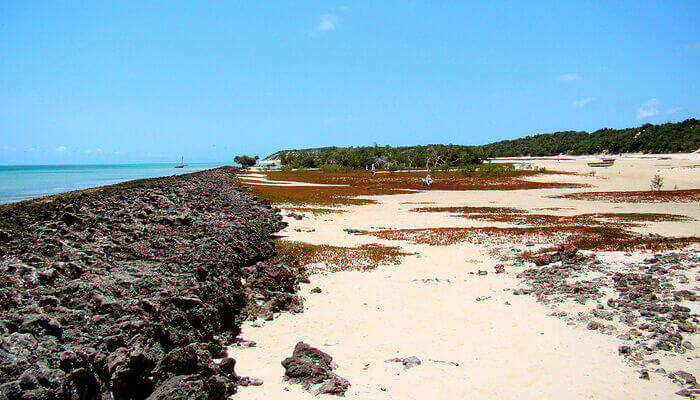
column 336, row 258
column 645, row 196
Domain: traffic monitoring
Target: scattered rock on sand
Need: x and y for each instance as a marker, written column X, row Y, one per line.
column 593, row 325
column 316, row 290
column 296, row 216
column 691, row 392
column 453, row 363
column 683, row 377
column 408, row 362
column 312, row 368
column 248, row 381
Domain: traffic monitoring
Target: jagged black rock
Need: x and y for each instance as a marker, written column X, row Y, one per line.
column 131, row 289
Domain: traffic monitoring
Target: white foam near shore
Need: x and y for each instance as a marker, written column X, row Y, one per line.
column 427, row 307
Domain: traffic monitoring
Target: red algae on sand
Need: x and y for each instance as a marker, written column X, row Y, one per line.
column 442, row 180
column 644, row 196
column 362, row 183
column 337, row 258
column 582, row 237
column 519, row 216
column 470, row 210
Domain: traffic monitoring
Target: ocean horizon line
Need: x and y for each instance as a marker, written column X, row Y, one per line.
column 114, row 164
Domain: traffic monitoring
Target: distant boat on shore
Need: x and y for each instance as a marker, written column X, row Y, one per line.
column 182, row 163
column 604, row 162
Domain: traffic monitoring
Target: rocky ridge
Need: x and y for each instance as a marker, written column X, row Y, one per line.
column 128, row 291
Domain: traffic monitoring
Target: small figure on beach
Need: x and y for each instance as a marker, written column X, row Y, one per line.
column 427, row 181
column 374, row 172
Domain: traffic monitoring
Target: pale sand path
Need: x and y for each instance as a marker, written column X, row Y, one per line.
column 504, row 351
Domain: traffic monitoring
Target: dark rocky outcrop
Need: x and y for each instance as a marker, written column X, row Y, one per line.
column 131, row 289
column 312, row 368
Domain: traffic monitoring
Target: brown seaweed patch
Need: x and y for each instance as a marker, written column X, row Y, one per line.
column 337, row 258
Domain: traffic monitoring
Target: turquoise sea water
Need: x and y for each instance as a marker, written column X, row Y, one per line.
column 18, row 182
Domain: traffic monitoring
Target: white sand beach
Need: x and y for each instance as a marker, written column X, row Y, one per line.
column 500, row 346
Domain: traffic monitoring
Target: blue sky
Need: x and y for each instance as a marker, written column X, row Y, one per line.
column 104, row 82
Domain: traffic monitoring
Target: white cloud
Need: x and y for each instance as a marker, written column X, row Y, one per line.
column 675, row 110
column 648, row 109
column 583, row 102
column 570, row 77
column 692, row 46
column 61, row 149
column 328, row 23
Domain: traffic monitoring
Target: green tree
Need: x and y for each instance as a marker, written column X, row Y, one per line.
column 246, row 161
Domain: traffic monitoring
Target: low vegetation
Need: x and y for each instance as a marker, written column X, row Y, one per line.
column 675, row 137
column 518, row 216
column 679, row 137
column 657, row 182
column 315, row 210
column 471, row 210
column 489, row 170
column 336, row 258
column 644, row 196
column 592, row 231
column 337, row 159
column 348, row 185
column 581, row 237
column 246, row 161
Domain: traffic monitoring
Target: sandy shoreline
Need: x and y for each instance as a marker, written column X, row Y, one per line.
column 427, row 307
